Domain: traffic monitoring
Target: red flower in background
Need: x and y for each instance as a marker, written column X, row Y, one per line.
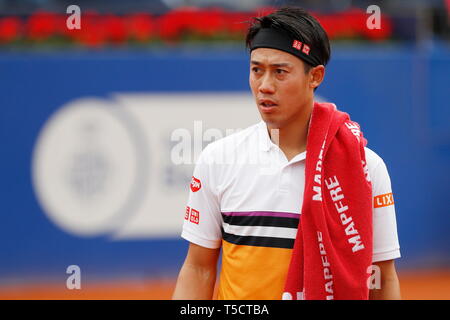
column 328, row 25
column 42, row 25
column 171, row 24
column 208, row 22
column 350, row 23
column 10, row 29
column 358, row 19
column 203, row 22
column 92, row 32
column 114, row 29
column 140, row 26
column 97, row 30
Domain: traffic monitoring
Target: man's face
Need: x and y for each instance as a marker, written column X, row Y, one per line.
column 280, row 86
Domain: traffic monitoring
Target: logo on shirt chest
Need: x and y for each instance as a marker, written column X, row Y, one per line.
column 195, row 184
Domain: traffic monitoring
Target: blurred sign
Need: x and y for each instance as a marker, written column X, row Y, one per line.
column 112, row 166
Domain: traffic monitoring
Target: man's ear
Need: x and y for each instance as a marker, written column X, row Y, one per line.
column 316, row 75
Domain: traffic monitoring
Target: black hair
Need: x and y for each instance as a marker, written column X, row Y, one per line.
column 298, row 24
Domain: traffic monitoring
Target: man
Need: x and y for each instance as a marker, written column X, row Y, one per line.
column 311, row 161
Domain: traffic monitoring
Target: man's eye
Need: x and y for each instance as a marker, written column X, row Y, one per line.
column 255, row 69
column 280, row 71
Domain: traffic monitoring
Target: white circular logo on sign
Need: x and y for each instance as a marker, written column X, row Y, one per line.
column 87, row 165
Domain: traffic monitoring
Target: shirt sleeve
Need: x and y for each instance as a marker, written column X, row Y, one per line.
column 202, row 218
column 385, row 238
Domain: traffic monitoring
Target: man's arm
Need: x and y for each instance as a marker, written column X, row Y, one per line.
column 197, row 275
column 390, row 286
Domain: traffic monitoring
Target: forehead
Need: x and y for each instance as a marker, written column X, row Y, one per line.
column 274, row 56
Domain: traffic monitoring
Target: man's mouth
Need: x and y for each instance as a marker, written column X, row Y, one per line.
column 267, row 105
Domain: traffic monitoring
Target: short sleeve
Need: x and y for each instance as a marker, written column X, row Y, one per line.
column 202, row 217
column 385, row 238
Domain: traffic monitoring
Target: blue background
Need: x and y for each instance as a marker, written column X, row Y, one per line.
column 399, row 95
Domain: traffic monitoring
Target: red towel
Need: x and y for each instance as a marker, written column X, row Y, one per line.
column 333, row 248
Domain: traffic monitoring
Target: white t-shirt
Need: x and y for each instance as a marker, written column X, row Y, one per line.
column 247, row 197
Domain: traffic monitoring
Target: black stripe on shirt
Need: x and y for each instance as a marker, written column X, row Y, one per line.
column 258, row 241
column 267, row 221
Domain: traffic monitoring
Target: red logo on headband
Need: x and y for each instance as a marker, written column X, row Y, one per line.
column 305, row 49
column 297, row 44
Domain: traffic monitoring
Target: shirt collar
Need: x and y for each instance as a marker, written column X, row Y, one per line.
column 265, row 143
column 263, row 135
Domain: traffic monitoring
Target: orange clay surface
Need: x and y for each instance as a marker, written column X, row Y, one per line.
column 414, row 285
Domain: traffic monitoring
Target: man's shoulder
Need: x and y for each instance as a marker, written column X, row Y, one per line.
column 372, row 158
column 377, row 168
column 232, row 143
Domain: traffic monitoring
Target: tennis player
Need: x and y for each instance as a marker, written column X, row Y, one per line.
column 299, row 206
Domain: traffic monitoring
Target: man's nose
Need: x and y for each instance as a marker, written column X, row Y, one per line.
column 267, row 84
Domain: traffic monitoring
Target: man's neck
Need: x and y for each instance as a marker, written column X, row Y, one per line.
column 292, row 136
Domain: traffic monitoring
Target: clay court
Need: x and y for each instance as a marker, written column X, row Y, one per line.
column 431, row 285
